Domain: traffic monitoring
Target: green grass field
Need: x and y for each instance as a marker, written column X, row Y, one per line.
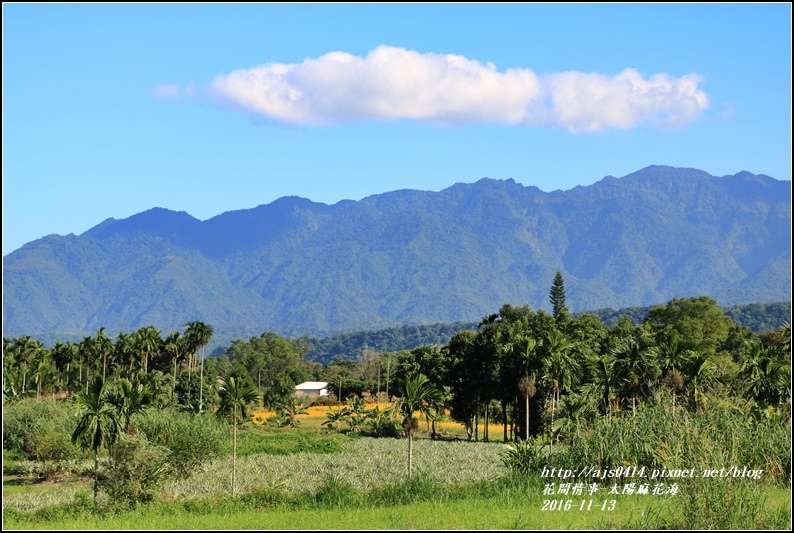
column 312, row 478
column 519, row 508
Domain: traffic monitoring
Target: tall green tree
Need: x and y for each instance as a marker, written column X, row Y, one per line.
column 199, row 335
column 636, row 363
column 605, row 383
column 417, row 394
column 177, row 349
column 273, row 362
column 699, row 321
column 103, row 348
column 129, row 400
column 767, row 378
column 125, row 351
column 148, row 344
column 462, row 377
column 64, row 355
column 42, row 368
column 86, row 359
column 700, row 373
column 24, row 349
column 524, row 347
column 560, row 367
column 673, row 353
column 98, row 425
column 557, row 297
column 235, row 396
column 9, row 365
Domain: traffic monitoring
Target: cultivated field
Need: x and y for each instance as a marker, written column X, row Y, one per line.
column 311, row 477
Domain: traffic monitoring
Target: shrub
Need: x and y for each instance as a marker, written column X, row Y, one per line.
column 29, row 422
column 136, row 470
column 658, row 437
column 713, row 503
column 55, row 452
column 523, row 456
column 191, row 439
column 335, row 492
column 383, row 425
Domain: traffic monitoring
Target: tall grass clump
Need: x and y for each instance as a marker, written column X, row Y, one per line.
column 714, row 503
column 40, row 430
column 190, row 439
column 720, row 436
column 334, row 492
column 524, row 456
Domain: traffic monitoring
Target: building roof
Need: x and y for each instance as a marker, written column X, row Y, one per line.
column 312, row 385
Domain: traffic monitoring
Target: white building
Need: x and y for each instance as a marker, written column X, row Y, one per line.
column 312, row 388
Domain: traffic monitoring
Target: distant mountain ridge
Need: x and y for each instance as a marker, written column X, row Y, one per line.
column 412, row 257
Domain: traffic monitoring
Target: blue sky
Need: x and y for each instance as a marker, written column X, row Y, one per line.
column 109, row 110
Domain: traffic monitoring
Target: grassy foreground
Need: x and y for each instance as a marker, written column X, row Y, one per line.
column 308, row 478
column 508, row 503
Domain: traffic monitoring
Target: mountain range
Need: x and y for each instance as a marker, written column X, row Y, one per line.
column 298, row 267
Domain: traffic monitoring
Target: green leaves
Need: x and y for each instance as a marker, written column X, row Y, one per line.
column 236, row 396
column 523, row 456
column 98, row 425
column 418, row 394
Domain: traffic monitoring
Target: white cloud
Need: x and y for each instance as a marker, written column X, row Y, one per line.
column 394, row 83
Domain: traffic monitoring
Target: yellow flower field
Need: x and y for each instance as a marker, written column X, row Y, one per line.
column 317, row 414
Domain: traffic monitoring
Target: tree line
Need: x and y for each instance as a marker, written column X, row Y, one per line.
column 529, row 370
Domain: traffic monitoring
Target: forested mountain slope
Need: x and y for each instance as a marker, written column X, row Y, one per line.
column 298, row 267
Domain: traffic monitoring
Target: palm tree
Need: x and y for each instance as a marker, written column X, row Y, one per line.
column 636, row 363
column 561, row 367
column 176, row 347
column 672, row 351
column 785, row 332
column 417, row 394
column 63, row 355
column 147, row 343
column 125, row 351
column 525, row 347
column 235, row 397
column 700, row 373
column 98, row 425
column 10, row 360
column 605, row 382
column 42, row 368
column 199, row 334
column 576, row 408
column 103, row 347
column 130, row 400
column 767, row 377
column 25, row 349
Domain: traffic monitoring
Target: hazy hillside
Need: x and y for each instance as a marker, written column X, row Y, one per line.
column 411, row 257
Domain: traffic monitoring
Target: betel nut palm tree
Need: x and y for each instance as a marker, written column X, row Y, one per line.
column 525, row 347
column 235, row 396
column 560, row 367
column 129, row 400
column 176, row 347
column 199, row 334
column 98, row 425
column 417, row 394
